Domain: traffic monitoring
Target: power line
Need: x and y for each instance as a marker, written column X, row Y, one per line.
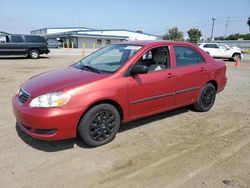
column 221, row 20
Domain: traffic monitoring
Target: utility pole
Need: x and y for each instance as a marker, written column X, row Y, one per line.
column 212, row 32
column 226, row 26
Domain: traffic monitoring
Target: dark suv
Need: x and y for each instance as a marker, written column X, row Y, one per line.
column 27, row 45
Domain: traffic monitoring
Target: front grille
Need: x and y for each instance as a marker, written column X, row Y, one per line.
column 23, row 95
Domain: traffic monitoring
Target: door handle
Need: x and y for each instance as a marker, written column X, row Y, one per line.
column 170, row 75
column 203, row 69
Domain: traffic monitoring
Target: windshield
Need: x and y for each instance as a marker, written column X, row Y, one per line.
column 108, row 59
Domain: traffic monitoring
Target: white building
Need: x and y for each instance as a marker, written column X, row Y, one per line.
column 82, row 37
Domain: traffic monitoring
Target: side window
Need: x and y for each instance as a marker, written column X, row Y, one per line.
column 222, row 47
column 186, row 56
column 206, row 46
column 155, row 59
column 34, row 39
column 108, row 42
column 99, row 41
column 16, row 38
column 3, row 39
column 210, row 46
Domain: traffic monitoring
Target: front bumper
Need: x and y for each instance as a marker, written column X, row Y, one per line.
column 46, row 123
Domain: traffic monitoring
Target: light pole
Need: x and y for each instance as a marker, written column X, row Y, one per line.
column 212, row 32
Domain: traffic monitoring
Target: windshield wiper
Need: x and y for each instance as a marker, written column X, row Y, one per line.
column 89, row 68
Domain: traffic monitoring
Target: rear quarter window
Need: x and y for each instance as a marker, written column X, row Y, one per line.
column 35, row 39
column 187, row 56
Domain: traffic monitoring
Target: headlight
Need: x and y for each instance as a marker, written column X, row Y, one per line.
column 51, row 100
column 18, row 91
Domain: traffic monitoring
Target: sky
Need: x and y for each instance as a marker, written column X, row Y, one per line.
column 150, row 16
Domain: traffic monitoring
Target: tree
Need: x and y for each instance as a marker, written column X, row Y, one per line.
column 219, row 38
column 235, row 37
column 173, row 34
column 194, row 34
column 248, row 23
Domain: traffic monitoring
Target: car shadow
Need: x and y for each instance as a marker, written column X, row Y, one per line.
column 153, row 118
column 49, row 146
column 54, row 146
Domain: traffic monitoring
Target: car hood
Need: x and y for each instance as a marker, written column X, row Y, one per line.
column 236, row 48
column 57, row 80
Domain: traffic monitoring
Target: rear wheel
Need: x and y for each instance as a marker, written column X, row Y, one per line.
column 206, row 98
column 236, row 56
column 34, row 54
column 99, row 125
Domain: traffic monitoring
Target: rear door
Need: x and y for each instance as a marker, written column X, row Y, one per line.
column 190, row 73
column 212, row 49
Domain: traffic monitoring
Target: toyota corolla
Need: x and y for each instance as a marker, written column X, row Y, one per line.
column 114, row 85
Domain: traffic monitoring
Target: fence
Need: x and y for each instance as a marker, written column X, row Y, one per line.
column 244, row 44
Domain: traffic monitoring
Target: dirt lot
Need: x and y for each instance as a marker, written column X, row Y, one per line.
column 180, row 148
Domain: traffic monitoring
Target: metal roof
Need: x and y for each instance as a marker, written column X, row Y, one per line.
column 61, row 28
column 74, row 34
column 86, row 29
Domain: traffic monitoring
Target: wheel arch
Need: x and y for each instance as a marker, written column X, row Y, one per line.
column 214, row 83
column 106, row 101
column 34, row 48
column 236, row 53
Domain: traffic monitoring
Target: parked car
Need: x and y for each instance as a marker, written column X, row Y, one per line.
column 117, row 84
column 219, row 50
column 23, row 45
column 54, row 44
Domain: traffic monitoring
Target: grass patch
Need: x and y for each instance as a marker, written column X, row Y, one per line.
column 247, row 51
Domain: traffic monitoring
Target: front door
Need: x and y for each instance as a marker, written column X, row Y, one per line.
column 154, row 91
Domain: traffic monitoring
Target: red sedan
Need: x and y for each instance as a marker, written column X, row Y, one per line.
column 118, row 83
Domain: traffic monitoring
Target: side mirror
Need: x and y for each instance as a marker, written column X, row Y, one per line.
column 139, row 69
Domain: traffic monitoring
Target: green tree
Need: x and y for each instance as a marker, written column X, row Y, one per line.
column 248, row 22
column 235, row 37
column 219, row 38
column 173, row 34
column 194, row 34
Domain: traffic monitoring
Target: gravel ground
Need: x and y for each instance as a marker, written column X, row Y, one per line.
column 180, row 148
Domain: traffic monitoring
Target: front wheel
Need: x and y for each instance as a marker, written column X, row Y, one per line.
column 206, row 98
column 99, row 125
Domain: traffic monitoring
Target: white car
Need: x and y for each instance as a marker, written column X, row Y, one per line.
column 219, row 50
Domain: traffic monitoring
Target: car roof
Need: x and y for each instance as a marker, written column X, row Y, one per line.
column 154, row 42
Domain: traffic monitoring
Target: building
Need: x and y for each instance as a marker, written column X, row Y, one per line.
column 82, row 37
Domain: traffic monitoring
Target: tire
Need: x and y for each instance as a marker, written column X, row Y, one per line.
column 236, row 57
column 34, row 54
column 206, row 98
column 99, row 125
